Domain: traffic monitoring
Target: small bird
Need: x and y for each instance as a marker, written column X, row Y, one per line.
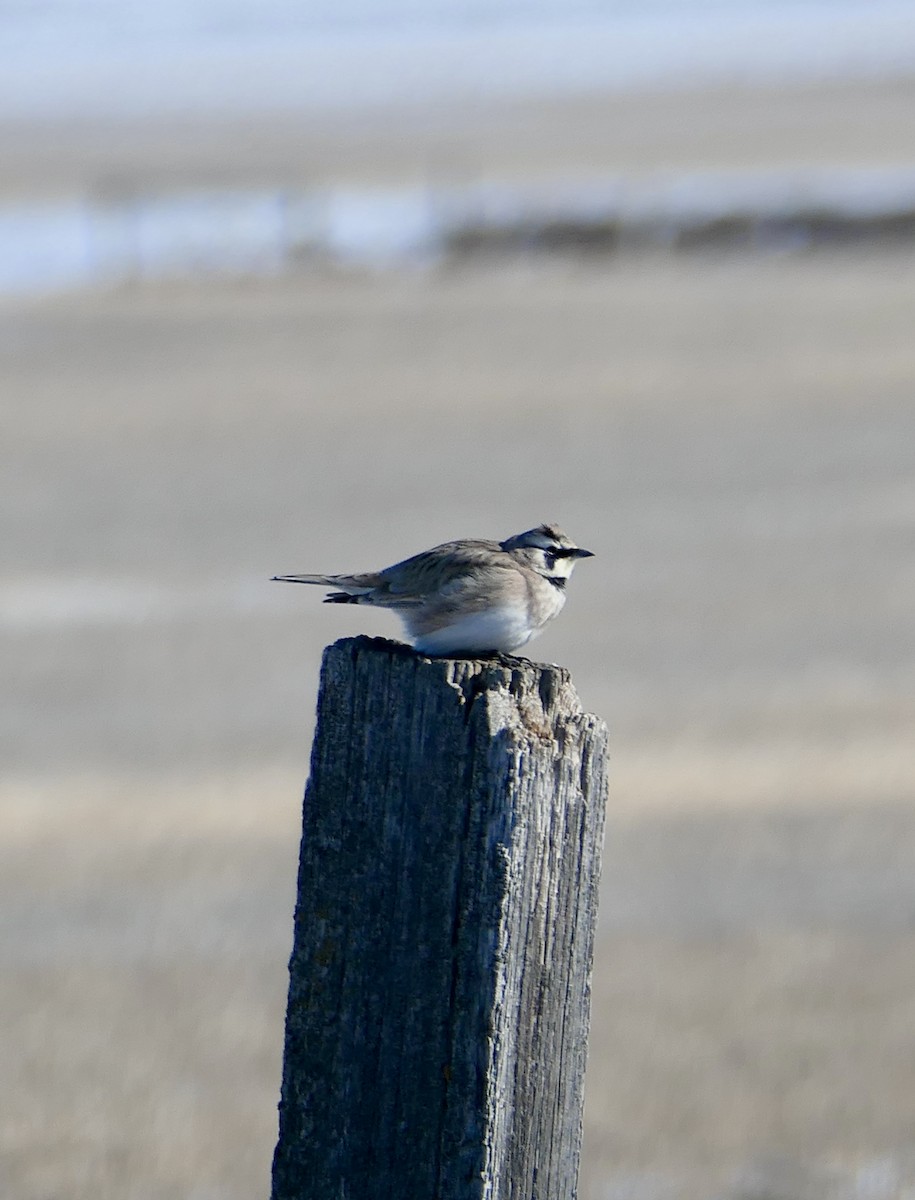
column 470, row 596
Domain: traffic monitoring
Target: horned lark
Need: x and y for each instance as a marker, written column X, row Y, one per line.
column 468, row 597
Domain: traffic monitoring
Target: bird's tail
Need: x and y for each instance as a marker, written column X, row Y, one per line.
column 325, row 579
column 350, row 585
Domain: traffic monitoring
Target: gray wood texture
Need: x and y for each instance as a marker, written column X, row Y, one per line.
column 436, row 1029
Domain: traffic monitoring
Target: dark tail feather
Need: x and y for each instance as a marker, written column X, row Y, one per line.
column 341, row 598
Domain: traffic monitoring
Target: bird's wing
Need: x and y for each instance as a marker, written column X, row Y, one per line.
column 427, row 572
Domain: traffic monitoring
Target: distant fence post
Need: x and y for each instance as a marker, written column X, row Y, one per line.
column 436, row 1029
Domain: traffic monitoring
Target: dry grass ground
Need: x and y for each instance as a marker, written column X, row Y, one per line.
column 735, row 439
column 864, row 122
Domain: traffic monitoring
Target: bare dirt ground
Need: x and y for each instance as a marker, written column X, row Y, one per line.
column 735, row 438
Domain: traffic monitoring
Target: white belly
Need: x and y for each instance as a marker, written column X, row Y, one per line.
column 503, row 629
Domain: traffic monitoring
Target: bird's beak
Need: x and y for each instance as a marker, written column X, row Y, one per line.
column 579, row 553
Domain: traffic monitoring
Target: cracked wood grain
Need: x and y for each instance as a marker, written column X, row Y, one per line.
column 437, row 1020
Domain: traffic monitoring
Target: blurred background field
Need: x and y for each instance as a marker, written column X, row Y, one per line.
column 730, row 427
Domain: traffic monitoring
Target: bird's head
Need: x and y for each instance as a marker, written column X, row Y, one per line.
column 548, row 551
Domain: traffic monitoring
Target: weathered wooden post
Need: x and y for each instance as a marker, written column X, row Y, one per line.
column 436, row 1029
